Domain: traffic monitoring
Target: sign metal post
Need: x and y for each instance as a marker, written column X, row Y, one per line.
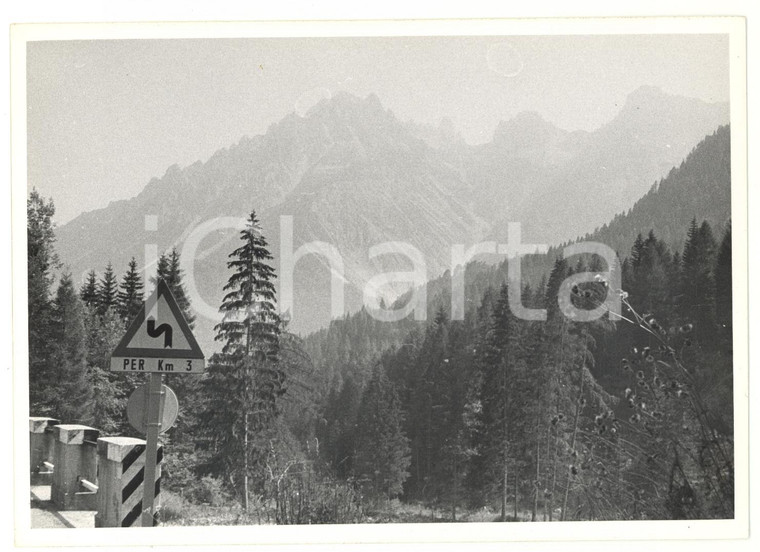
column 155, row 414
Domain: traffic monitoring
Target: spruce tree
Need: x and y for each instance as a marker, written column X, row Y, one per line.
column 169, row 270
column 107, row 291
column 454, row 405
column 724, row 290
column 244, row 382
column 535, row 425
column 571, row 390
column 173, row 276
column 130, row 295
column 41, row 261
column 338, row 432
column 300, row 403
column 88, row 293
column 382, row 450
column 109, row 389
column 637, row 250
column 250, row 323
column 653, row 277
column 697, row 283
column 71, row 399
column 559, row 272
column 501, row 358
column 162, row 269
column 430, row 396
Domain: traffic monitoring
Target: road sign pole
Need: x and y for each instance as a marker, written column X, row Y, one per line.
column 158, row 340
column 155, row 414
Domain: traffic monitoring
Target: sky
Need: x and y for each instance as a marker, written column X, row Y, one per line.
column 106, row 116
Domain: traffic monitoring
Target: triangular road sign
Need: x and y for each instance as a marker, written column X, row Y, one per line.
column 158, row 339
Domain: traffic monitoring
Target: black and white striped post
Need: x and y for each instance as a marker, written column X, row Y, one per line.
column 122, row 484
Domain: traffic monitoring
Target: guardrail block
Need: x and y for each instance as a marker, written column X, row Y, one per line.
column 75, row 458
column 41, row 445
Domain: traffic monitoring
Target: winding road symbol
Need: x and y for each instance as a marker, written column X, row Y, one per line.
column 164, row 329
column 142, row 348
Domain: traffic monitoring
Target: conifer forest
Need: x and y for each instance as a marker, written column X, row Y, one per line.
column 483, row 417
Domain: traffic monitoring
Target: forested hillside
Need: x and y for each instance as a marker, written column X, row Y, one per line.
column 618, row 419
column 676, row 300
column 699, row 188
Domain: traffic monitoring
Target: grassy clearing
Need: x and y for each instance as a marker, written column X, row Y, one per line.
column 176, row 511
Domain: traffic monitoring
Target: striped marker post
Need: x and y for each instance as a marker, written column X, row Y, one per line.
column 121, row 483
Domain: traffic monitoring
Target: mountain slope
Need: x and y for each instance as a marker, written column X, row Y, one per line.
column 588, row 177
column 348, row 172
column 354, row 176
column 700, row 187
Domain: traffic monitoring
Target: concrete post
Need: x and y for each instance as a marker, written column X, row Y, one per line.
column 41, row 448
column 121, row 463
column 75, row 457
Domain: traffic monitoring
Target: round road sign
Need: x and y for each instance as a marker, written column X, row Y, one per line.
column 137, row 408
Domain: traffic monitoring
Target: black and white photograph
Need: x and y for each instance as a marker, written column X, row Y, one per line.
column 397, row 279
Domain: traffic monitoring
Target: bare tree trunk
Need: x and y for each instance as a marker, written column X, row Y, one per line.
column 456, row 493
column 516, row 483
column 245, row 461
column 557, row 428
column 536, row 483
column 548, row 454
column 575, row 433
column 554, row 476
column 505, row 440
column 246, row 400
column 504, row 491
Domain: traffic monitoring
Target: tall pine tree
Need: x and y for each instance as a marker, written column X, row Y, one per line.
column 382, row 450
column 168, row 269
column 71, row 398
column 162, row 269
column 107, row 291
column 130, row 295
column 174, row 279
column 88, row 293
column 338, row 431
column 109, row 389
column 501, row 359
column 723, row 291
column 244, row 382
column 41, row 261
column 697, row 283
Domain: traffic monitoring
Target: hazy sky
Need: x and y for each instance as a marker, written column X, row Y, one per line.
column 106, row 116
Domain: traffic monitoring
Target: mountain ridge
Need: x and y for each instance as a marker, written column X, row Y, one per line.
column 352, row 174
